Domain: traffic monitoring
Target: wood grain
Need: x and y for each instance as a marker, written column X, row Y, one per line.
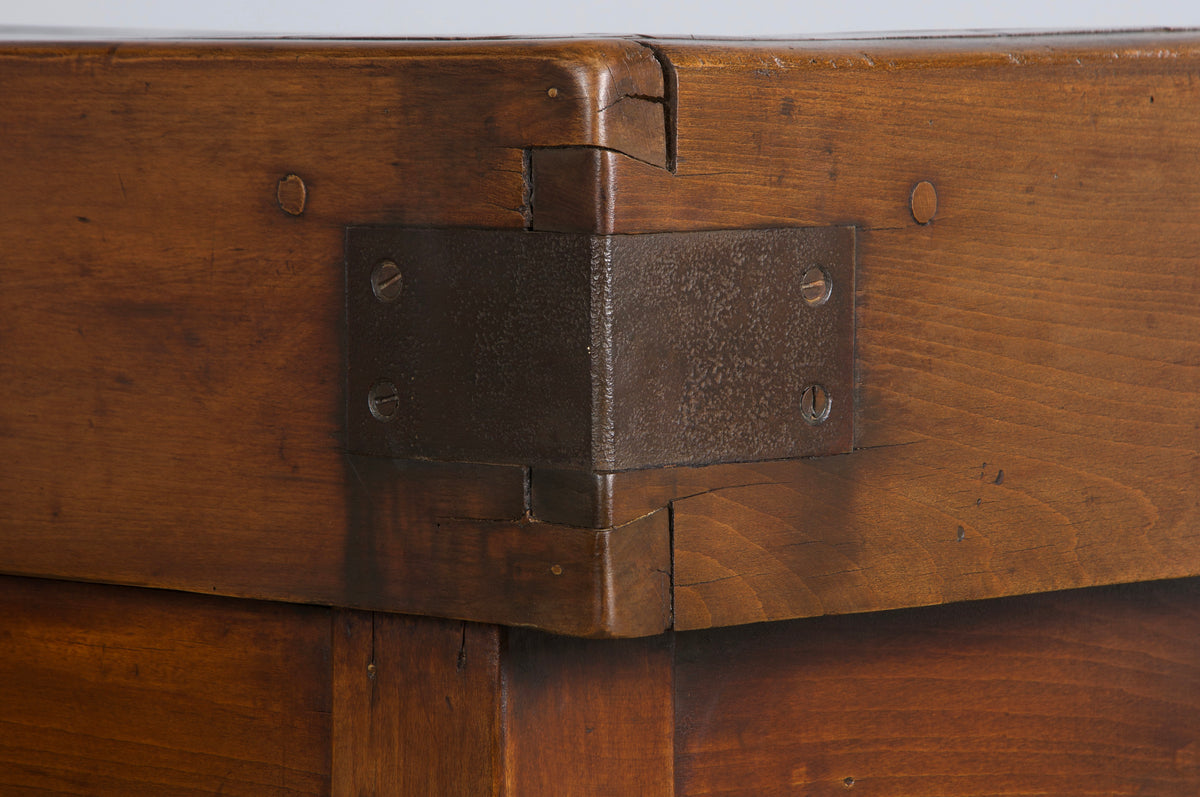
column 422, row 551
column 117, row 691
column 575, row 188
column 588, row 717
column 1043, row 325
column 1029, row 373
column 603, row 500
column 171, row 408
column 1074, row 693
column 417, row 706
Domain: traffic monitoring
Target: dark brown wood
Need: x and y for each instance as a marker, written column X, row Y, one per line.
column 409, row 555
column 787, row 545
column 998, row 345
column 1086, row 692
column 417, row 706
column 113, row 690
column 117, row 691
column 588, row 717
column 172, row 414
column 171, row 408
column 602, row 500
column 574, row 189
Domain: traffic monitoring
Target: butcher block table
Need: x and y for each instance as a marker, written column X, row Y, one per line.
column 600, row 417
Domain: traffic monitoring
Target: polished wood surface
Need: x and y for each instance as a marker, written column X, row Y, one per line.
column 108, row 690
column 425, row 539
column 417, row 706
column 1028, row 401
column 117, row 691
column 1073, row 693
column 589, row 717
column 1028, row 419
column 171, row 402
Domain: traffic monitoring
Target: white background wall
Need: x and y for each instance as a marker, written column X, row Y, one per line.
column 539, row 17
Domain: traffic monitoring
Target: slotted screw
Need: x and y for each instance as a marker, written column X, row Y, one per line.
column 815, row 286
column 815, row 404
column 386, row 281
column 383, row 400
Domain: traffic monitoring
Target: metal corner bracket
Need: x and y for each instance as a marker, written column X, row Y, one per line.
column 599, row 352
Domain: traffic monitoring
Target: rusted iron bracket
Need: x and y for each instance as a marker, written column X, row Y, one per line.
column 599, row 352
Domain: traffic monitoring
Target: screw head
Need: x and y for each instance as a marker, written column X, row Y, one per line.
column 815, row 404
column 383, row 400
column 387, row 282
column 815, row 286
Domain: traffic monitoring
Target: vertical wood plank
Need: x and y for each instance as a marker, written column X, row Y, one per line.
column 416, row 707
column 588, row 717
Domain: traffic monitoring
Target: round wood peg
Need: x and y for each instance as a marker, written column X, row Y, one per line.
column 291, row 194
column 923, row 202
